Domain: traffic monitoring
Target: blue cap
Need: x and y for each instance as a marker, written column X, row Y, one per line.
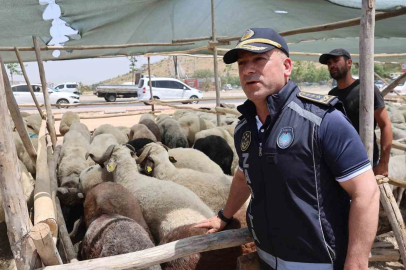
column 257, row 40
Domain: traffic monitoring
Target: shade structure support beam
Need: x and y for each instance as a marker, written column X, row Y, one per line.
column 50, row 117
column 216, row 71
column 150, row 83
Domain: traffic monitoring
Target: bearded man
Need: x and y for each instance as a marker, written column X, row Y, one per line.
column 339, row 65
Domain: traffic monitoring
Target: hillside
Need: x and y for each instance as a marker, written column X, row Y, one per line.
column 166, row 68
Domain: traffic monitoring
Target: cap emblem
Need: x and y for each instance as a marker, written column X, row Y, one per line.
column 249, row 33
column 253, row 48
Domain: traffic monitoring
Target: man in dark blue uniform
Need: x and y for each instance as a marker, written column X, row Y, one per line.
column 314, row 199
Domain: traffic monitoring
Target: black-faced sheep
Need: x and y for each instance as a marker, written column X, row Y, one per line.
column 111, row 235
column 137, row 144
column 165, row 205
column 193, row 159
column 103, row 200
column 171, row 134
column 218, row 131
column 212, row 189
column 223, row 259
column 141, row 131
column 151, row 125
column 67, row 120
column 218, row 150
column 109, row 129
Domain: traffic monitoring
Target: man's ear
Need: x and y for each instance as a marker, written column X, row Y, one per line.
column 349, row 62
column 287, row 63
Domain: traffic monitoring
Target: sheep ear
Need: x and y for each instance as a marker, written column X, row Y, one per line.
column 111, row 165
column 172, row 159
column 149, row 167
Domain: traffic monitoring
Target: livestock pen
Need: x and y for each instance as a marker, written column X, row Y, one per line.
column 35, row 245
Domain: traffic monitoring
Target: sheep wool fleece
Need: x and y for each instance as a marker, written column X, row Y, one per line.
column 293, row 163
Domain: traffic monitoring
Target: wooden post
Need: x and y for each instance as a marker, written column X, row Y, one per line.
column 167, row 252
column 42, row 238
column 71, row 254
column 150, row 83
column 16, row 115
column 50, row 117
column 20, row 60
column 12, row 195
column 44, row 210
column 216, row 72
column 366, row 61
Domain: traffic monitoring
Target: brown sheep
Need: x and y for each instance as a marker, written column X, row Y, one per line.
column 111, row 235
column 112, row 198
column 151, row 125
column 217, row 259
column 141, row 131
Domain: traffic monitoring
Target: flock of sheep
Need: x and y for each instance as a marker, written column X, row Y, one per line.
column 127, row 189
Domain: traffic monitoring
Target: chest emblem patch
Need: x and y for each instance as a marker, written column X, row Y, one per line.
column 246, row 140
column 285, row 137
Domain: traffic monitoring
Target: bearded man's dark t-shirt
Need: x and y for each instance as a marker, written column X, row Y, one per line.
column 350, row 98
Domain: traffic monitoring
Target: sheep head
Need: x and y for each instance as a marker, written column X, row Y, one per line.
column 108, row 159
column 150, row 155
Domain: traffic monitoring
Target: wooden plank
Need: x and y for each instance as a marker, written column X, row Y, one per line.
column 16, row 115
column 71, row 254
column 171, row 251
column 392, row 85
column 95, row 47
column 12, row 195
column 20, row 60
column 227, row 110
column 42, row 238
column 380, row 244
column 50, row 117
column 158, row 102
column 44, row 210
column 395, row 218
column 395, row 144
column 112, row 115
column 384, row 255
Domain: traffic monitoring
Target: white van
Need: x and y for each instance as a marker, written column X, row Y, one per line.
column 167, row 88
column 71, row 87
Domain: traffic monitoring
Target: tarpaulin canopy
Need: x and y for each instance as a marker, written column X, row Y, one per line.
column 106, row 22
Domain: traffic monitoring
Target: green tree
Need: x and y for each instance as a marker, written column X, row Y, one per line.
column 379, row 69
column 133, row 68
column 322, row 74
column 13, row 68
column 203, row 73
column 311, row 73
column 298, row 72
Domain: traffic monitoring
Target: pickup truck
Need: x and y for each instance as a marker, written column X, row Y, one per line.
column 110, row 92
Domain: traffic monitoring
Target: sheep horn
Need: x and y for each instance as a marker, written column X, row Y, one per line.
column 164, row 146
column 105, row 156
column 129, row 146
column 144, row 154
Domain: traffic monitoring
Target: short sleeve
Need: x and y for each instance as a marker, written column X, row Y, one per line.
column 378, row 99
column 342, row 148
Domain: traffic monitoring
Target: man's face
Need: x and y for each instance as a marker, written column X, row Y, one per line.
column 338, row 67
column 262, row 74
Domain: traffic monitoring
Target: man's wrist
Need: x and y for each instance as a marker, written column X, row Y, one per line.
column 224, row 218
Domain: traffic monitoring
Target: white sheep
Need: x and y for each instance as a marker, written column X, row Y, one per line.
column 125, row 130
column 171, row 134
column 194, row 159
column 109, row 129
column 100, row 144
column 22, row 153
column 213, row 189
column 67, row 120
column 82, row 129
column 33, row 123
column 165, row 205
column 147, row 116
column 396, row 167
column 92, row 176
column 219, row 131
column 161, row 117
column 28, row 189
column 190, row 124
column 141, row 131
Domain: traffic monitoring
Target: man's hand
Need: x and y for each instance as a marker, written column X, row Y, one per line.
column 381, row 169
column 215, row 224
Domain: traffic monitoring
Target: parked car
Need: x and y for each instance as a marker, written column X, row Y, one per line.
column 401, row 88
column 23, row 95
column 167, row 88
column 70, row 87
column 227, row 86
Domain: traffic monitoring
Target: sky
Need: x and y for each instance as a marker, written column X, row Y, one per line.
column 87, row 71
